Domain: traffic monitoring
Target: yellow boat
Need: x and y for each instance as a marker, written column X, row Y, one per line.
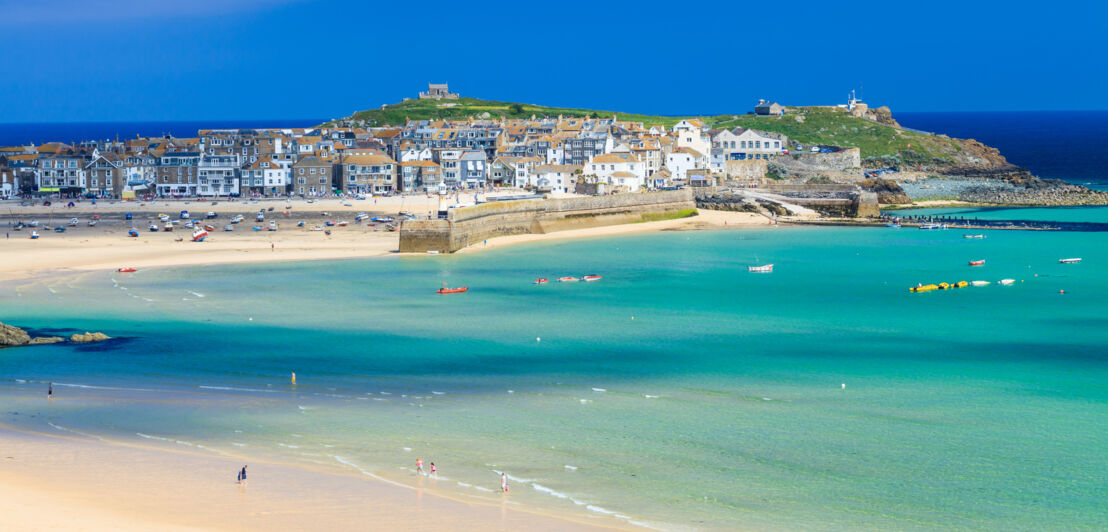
column 944, row 286
column 960, row 284
column 923, row 288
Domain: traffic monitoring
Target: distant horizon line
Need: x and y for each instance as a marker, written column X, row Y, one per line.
column 321, row 120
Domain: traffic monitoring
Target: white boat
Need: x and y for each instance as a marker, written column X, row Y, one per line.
column 1007, row 282
column 1069, row 261
column 979, row 283
column 199, row 234
column 768, row 268
column 927, row 227
column 973, row 236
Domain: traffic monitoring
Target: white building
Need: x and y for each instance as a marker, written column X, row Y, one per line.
column 218, row 175
column 556, row 177
column 741, row 144
column 619, row 170
column 681, row 160
column 691, row 134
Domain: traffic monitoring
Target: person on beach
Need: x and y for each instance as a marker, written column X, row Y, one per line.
column 242, row 475
column 419, row 466
column 504, row 482
column 50, row 391
column 433, row 470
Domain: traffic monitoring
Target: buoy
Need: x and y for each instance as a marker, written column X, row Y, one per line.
column 1061, row 291
column 537, row 339
column 844, row 385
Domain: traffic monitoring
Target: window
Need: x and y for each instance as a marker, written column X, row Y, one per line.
column 310, row 172
column 300, row 180
column 322, row 181
column 302, row 171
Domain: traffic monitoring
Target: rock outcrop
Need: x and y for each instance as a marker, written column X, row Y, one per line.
column 13, row 336
column 89, row 337
column 888, row 192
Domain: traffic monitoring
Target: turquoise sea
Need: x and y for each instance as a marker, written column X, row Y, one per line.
column 680, row 392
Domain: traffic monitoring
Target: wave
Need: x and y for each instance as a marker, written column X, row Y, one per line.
column 599, row 390
column 232, row 389
column 197, row 294
column 92, row 387
column 79, row 433
column 357, row 467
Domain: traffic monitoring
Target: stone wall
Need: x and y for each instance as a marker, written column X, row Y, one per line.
column 845, row 165
column 469, row 225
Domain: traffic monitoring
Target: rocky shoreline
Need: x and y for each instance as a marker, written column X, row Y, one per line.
column 11, row 336
column 991, row 191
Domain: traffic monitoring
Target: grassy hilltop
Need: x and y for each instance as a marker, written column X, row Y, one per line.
column 880, row 143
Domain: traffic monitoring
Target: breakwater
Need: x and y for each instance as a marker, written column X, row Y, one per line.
column 468, row 225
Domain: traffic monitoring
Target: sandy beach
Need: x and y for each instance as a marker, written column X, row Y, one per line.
column 69, row 482
column 107, row 246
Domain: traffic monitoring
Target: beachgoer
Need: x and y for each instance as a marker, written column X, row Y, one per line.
column 242, row 474
column 50, row 391
column 433, row 470
column 504, row 482
column 419, row 465
column 272, row 247
column 294, row 377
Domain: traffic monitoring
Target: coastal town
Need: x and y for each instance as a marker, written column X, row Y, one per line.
column 543, row 154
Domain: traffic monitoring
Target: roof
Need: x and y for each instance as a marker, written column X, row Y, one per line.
column 555, row 168
column 368, row 159
column 426, row 164
column 623, row 174
column 614, row 158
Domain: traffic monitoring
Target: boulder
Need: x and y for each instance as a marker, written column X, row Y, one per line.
column 89, row 337
column 13, row 336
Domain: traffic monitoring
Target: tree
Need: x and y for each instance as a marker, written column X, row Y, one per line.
column 516, row 108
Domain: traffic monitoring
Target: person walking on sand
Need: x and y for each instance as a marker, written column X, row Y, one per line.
column 504, row 482
column 419, row 466
column 242, row 475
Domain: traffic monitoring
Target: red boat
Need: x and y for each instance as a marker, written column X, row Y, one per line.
column 977, row 262
column 127, row 270
column 591, row 278
column 445, row 290
column 542, row 281
column 568, row 279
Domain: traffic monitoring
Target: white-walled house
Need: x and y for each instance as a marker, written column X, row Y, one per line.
column 690, row 134
column 275, row 177
column 416, row 154
column 621, row 169
column 681, row 160
column 556, row 177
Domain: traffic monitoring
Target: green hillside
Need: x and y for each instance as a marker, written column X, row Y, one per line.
column 879, row 143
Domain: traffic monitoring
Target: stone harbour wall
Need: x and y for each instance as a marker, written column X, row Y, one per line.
column 469, row 225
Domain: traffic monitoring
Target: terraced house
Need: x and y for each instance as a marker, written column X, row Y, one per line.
column 311, row 176
column 367, row 174
column 177, row 173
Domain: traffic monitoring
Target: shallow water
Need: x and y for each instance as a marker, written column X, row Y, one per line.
column 679, row 391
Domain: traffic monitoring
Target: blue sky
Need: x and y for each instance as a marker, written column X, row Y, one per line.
column 124, row 60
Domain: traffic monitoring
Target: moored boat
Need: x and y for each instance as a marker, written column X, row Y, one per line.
column 154, row 228
column 977, row 262
column 126, row 270
column 768, row 268
column 590, row 278
column 568, row 279
column 458, row 290
column 199, row 234
column 132, row 233
column 1069, row 261
column 542, row 281
column 973, row 236
column 928, row 227
column 979, row 283
column 1007, row 282
column 34, row 235
column 923, row 288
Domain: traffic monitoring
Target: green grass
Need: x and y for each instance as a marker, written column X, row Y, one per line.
column 880, row 144
column 668, row 215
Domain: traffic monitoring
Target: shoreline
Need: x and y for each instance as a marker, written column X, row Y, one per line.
column 106, row 247
column 104, row 485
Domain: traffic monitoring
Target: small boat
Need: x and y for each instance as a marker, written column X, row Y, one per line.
column 132, row 233
column 893, row 225
column 184, row 215
column 168, row 226
column 92, row 223
column 977, row 262
column 568, row 279
column 163, row 217
column 189, row 224
column 1069, row 261
column 589, row 278
column 1007, row 282
column 212, row 214
column 432, row 252
column 237, row 219
column 59, row 229
column 260, row 217
column 944, row 286
column 329, row 223
column 73, row 222
column 300, row 223
column 126, row 270
column 256, row 228
column 445, row 290
column 272, row 226
column 34, row 223
column 199, row 234
column 228, row 227
column 959, row 284
column 928, row 227
column 154, row 228
column 208, row 227
column 973, row 236
column 542, row 281
column 343, row 223
column 383, row 219
column 979, row 283
column 923, row 288
column 768, row 268
column 34, row 235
